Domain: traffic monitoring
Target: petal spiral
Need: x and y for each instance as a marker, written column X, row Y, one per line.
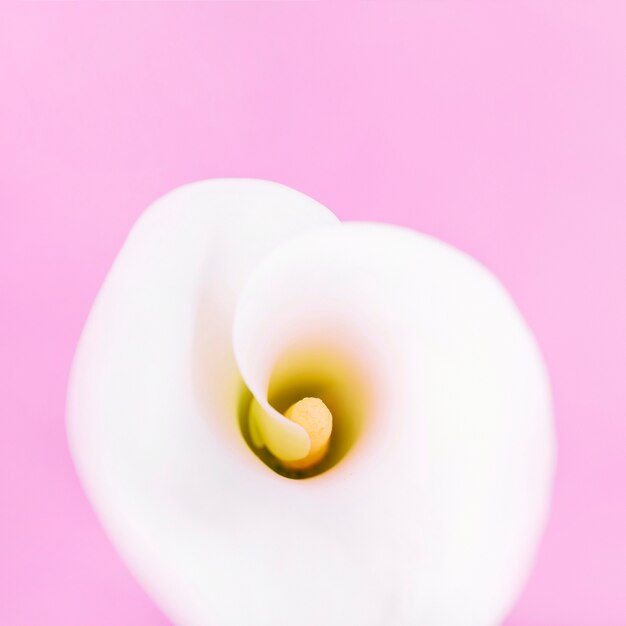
column 436, row 490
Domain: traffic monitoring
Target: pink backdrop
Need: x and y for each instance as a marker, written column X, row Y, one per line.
column 500, row 130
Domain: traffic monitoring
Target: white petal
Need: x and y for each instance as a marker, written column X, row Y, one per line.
column 153, row 398
column 432, row 514
column 442, row 498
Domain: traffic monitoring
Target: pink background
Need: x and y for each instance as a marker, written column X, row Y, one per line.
column 500, row 130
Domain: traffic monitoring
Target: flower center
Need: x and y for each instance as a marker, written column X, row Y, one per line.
column 313, row 415
column 324, row 391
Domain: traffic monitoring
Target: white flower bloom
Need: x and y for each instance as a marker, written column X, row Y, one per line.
column 428, row 506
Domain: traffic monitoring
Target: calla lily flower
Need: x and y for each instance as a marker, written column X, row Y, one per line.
column 232, row 301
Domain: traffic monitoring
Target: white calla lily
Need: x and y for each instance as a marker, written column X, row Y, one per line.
column 232, row 295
